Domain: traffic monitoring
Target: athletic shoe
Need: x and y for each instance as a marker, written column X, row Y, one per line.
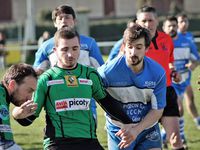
column 184, row 142
column 164, row 139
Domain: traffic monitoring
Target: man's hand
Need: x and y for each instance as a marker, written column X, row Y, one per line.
column 25, row 110
column 191, row 65
column 176, row 76
column 128, row 134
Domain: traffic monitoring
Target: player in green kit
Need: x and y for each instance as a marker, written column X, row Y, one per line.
column 65, row 92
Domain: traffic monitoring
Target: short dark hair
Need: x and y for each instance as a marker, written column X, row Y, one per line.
column 135, row 32
column 65, row 33
column 182, row 14
column 65, row 9
column 146, row 9
column 18, row 72
column 170, row 18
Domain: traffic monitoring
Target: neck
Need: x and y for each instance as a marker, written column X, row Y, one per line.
column 66, row 67
column 183, row 32
column 176, row 37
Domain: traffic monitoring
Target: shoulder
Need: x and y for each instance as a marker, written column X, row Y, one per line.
column 48, row 43
column 162, row 35
column 2, row 91
column 85, row 67
column 153, row 66
column 84, row 38
column 183, row 39
column 115, row 65
column 164, row 38
column 47, row 75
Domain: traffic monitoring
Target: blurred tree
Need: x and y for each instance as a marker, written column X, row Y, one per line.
column 45, row 15
column 140, row 3
column 176, row 6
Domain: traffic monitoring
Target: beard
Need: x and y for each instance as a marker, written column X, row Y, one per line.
column 173, row 34
column 14, row 98
column 135, row 60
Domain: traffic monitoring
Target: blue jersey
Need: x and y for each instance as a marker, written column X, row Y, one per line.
column 115, row 50
column 89, row 55
column 184, row 51
column 137, row 92
column 189, row 36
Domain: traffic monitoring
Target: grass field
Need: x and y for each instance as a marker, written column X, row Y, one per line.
column 30, row 138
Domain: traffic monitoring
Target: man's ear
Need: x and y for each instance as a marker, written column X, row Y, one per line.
column 54, row 49
column 12, row 85
column 75, row 22
column 55, row 24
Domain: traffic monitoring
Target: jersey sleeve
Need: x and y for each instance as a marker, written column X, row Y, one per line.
column 40, row 56
column 101, row 71
column 40, row 93
column 95, row 55
column 106, row 101
column 193, row 41
column 160, row 93
column 115, row 50
column 98, row 91
column 194, row 52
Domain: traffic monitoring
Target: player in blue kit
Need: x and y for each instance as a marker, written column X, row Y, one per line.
column 64, row 16
column 183, row 24
column 186, row 59
column 139, row 83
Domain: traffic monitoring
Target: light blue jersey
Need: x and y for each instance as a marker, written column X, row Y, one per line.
column 184, row 51
column 115, row 50
column 137, row 92
column 90, row 54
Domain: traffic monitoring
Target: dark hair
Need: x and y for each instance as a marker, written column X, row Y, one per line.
column 65, row 9
column 146, row 9
column 135, row 32
column 18, row 72
column 170, row 18
column 183, row 15
column 65, row 33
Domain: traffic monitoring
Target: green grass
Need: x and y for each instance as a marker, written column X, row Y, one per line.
column 30, row 138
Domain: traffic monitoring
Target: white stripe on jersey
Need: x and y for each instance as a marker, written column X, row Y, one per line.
column 133, row 94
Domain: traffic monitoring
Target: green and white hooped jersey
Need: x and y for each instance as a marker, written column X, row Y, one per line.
column 5, row 128
column 65, row 96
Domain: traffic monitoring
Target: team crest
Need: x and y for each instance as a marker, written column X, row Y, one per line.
column 71, row 80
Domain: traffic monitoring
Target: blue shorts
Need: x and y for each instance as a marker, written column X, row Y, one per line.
column 180, row 88
column 149, row 138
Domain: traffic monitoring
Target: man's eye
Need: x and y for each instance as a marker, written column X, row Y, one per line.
column 129, row 46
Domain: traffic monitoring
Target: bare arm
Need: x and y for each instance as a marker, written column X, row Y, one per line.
column 130, row 131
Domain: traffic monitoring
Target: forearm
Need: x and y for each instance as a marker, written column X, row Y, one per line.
column 150, row 119
column 114, row 109
column 24, row 114
column 26, row 121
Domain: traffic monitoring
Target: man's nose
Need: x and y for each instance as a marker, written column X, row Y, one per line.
column 147, row 24
column 132, row 51
column 69, row 54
